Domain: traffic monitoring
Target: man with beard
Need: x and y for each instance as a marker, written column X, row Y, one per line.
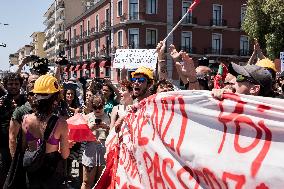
column 12, row 83
column 142, row 80
column 18, row 114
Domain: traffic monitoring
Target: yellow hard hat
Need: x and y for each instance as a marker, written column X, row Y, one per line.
column 266, row 63
column 145, row 71
column 46, row 84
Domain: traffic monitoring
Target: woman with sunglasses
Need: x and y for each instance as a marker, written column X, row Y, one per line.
column 93, row 155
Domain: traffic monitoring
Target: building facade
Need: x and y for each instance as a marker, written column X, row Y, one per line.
column 213, row 29
column 38, row 39
column 60, row 13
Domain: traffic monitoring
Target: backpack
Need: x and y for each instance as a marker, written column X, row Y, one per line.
column 33, row 162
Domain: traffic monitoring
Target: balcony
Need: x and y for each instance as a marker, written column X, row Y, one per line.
column 191, row 50
column 95, row 55
column 86, row 35
column 60, row 7
column 225, row 51
column 79, row 38
column 151, row 46
column 105, row 26
column 245, row 52
column 212, row 51
column 94, row 31
column 132, row 17
column 49, row 46
column 60, row 19
column 218, row 23
column 73, row 41
column 189, row 20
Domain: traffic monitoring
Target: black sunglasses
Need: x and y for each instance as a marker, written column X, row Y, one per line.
column 140, row 80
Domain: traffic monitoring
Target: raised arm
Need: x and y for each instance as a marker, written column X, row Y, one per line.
column 162, row 65
column 177, row 60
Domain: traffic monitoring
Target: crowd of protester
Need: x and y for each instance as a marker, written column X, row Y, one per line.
column 29, row 101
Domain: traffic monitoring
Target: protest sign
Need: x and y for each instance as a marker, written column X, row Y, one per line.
column 187, row 139
column 134, row 58
column 282, row 61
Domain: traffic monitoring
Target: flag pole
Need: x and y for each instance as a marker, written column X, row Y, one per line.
column 192, row 6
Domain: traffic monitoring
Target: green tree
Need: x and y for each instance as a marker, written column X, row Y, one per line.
column 265, row 21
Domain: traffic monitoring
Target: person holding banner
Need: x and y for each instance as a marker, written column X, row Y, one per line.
column 93, row 156
column 250, row 80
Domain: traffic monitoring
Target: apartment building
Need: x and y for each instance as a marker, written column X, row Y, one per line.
column 60, row 13
column 38, row 39
column 14, row 59
column 213, row 29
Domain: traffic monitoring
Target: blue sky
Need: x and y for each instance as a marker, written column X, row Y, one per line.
column 24, row 17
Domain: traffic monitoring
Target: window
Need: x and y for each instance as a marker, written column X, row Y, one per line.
column 133, row 38
column 243, row 13
column 74, row 32
column 151, row 38
column 88, row 27
column 107, row 16
column 185, row 6
column 97, row 23
column 89, row 51
column 216, row 43
column 119, row 39
column 81, row 52
column 151, row 6
column 107, row 42
column 107, row 73
column 217, row 15
column 74, row 52
column 81, row 30
column 97, row 47
column 186, row 41
column 244, row 46
column 119, row 8
column 133, row 9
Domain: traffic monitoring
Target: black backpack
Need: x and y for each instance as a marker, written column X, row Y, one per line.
column 33, row 162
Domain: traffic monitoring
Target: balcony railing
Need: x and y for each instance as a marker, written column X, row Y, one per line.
column 245, row 52
column 212, row 51
column 188, row 49
column 95, row 55
column 218, row 22
column 60, row 6
column 189, row 20
column 94, row 31
column 105, row 26
column 133, row 15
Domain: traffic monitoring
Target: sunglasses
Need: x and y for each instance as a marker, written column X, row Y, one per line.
column 140, row 80
column 98, row 107
column 241, row 78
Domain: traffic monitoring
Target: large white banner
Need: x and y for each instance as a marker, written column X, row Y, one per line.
column 134, row 58
column 187, row 139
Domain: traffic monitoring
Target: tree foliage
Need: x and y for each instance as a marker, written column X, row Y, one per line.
column 265, row 21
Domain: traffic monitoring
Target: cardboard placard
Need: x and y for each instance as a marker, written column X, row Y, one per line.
column 135, row 58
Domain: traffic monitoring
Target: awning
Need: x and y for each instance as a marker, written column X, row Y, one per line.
column 72, row 68
column 78, row 67
column 105, row 63
column 93, row 65
column 66, row 69
column 85, row 66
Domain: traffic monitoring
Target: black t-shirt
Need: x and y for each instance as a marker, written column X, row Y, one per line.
column 6, row 112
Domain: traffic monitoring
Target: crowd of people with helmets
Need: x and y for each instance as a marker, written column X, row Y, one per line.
column 34, row 108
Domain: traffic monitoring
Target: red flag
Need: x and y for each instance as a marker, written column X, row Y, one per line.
column 79, row 130
column 193, row 5
column 219, row 79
